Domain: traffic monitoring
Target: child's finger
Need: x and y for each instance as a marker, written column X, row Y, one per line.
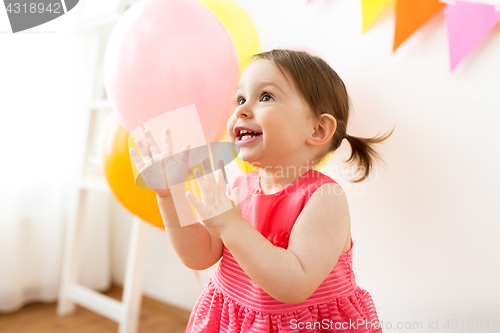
column 207, row 171
column 221, row 181
column 193, row 199
column 206, row 189
column 183, row 156
column 167, row 142
column 152, row 142
column 236, row 195
column 139, row 163
column 142, row 150
column 222, row 167
column 230, row 195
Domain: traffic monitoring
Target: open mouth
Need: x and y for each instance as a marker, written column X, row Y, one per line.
column 245, row 135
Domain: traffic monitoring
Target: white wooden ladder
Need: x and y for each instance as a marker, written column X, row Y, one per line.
column 126, row 312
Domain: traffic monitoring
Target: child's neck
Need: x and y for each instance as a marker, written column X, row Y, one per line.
column 273, row 180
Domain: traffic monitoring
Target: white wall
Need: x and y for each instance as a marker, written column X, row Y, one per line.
column 425, row 226
column 44, row 80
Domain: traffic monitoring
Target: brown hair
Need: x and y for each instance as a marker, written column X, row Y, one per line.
column 325, row 92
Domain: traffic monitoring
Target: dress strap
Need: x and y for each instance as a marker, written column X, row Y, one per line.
column 350, row 248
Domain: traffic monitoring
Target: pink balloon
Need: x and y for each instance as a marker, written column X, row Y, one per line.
column 166, row 54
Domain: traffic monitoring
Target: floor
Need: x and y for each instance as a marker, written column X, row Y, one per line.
column 42, row 318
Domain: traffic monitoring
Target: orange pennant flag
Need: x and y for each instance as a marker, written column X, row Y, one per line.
column 411, row 15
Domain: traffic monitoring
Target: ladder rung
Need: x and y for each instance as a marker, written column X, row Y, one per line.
column 98, row 22
column 100, row 104
column 96, row 302
column 93, row 183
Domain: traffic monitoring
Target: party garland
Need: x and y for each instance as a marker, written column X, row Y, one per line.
column 467, row 22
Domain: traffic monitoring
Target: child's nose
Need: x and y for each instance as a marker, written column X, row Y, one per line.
column 243, row 112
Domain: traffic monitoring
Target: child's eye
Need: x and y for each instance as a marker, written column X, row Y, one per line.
column 238, row 100
column 266, row 94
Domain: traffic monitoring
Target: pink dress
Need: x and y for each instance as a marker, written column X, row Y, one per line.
column 232, row 302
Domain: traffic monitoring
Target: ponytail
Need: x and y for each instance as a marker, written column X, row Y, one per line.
column 363, row 154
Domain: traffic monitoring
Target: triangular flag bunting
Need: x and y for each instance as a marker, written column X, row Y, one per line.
column 411, row 15
column 370, row 10
column 467, row 23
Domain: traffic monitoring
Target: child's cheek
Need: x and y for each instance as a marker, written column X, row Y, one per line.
column 230, row 125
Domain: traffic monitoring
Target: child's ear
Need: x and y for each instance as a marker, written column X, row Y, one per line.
column 323, row 130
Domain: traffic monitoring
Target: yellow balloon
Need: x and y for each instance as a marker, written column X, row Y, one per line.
column 117, row 169
column 245, row 38
column 239, row 26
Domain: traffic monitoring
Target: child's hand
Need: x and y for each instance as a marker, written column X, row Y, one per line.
column 161, row 168
column 217, row 210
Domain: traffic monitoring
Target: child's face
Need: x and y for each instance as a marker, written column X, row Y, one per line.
column 269, row 104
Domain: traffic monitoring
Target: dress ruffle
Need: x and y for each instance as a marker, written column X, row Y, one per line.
column 217, row 312
column 279, row 239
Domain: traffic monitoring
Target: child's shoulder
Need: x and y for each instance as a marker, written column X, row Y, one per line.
column 320, row 175
column 320, row 184
column 319, row 178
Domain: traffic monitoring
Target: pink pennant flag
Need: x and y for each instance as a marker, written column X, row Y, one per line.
column 467, row 24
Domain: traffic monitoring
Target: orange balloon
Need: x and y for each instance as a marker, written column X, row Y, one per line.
column 117, row 169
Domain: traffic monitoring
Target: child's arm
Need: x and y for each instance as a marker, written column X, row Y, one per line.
column 316, row 242
column 197, row 247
